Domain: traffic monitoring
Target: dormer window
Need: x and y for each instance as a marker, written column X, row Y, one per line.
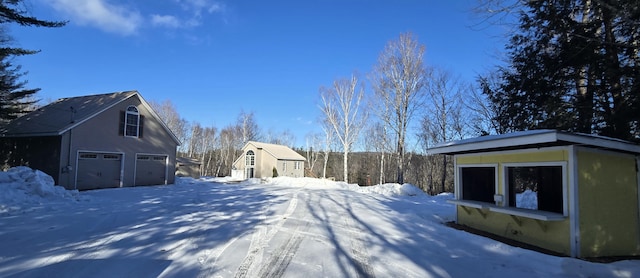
column 132, row 122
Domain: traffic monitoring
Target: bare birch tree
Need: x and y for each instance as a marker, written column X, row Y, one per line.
column 248, row 127
column 483, row 111
column 230, row 143
column 340, row 108
column 377, row 138
column 398, row 80
column 169, row 115
column 196, row 137
column 285, row 137
column 329, row 139
column 444, row 123
column 208, row 142
column 314, row 145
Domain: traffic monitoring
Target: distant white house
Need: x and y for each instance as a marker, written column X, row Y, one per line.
column 262, row 160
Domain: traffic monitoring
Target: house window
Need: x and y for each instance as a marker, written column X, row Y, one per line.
column 111, row 157
column 535, row 187
column 88, row 156
column 296, row 165
column 132, row 122
column 284, row 166
column 478, row 183
column 250, row 158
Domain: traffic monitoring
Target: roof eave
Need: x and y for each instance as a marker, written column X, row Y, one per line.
column 540, row 138
column 22, row 135
column 545, row 138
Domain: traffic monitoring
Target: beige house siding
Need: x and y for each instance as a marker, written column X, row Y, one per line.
column 268, row 156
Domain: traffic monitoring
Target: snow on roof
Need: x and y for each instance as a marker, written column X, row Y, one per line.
column 532, row 138
column 278, row 151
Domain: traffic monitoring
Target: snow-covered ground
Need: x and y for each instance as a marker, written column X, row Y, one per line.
column 284, row 227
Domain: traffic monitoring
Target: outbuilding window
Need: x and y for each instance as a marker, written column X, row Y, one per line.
column 132, row 122
column 535, row 187
column 250, row 158
column 478, row 183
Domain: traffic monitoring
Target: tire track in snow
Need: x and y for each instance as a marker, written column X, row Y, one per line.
column 359, row 254
column 261, row 237
column 280, row 259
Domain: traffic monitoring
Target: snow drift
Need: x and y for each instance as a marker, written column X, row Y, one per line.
column 23, row 187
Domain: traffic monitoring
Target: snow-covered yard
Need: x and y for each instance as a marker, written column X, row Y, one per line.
column 284, row 227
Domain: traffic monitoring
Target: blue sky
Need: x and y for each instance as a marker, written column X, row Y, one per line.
column 214, row 59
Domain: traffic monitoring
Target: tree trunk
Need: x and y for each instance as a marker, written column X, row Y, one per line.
column 382, row 168
column 324, row 167
column 345, row 166
column 444, row 173
column 400, row 162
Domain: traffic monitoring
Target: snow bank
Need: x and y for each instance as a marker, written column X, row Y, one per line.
column 527, row 199
column 393, row 189
column 388, row 189
column 22, row 187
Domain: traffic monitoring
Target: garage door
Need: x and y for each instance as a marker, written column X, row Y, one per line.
column 151, row 169
column 98, row 170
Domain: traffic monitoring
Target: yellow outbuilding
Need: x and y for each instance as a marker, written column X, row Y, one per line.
column 571, row 193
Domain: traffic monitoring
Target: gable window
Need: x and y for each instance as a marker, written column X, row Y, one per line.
column 535, row 187
column 131, row 122
column 478, row 183
column 250, row 158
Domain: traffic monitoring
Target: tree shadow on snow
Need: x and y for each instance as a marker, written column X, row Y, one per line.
column 171, row 229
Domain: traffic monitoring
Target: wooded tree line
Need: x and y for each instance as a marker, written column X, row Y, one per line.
column 217, row 148
column 570, row 65
column 422, row 170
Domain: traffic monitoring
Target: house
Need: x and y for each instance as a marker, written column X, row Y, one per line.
column 95, row 141
column 574, row 194
column 258, row 160
column 188, row 167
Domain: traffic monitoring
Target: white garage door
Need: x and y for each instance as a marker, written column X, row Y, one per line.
column 151, row 169
column 98, row 170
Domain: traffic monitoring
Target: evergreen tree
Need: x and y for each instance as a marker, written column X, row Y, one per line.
column 14, row 98
column 573, row 65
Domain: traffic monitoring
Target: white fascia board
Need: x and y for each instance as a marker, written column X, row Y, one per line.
column 495, row 142
column 599, row 141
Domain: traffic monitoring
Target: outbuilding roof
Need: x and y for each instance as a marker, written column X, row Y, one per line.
column 277, row 151
column 64, row 114
column 532, row 139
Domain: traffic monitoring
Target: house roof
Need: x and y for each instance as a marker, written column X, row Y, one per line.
column 532, row 139
column 64, row 114
column 277, row 151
